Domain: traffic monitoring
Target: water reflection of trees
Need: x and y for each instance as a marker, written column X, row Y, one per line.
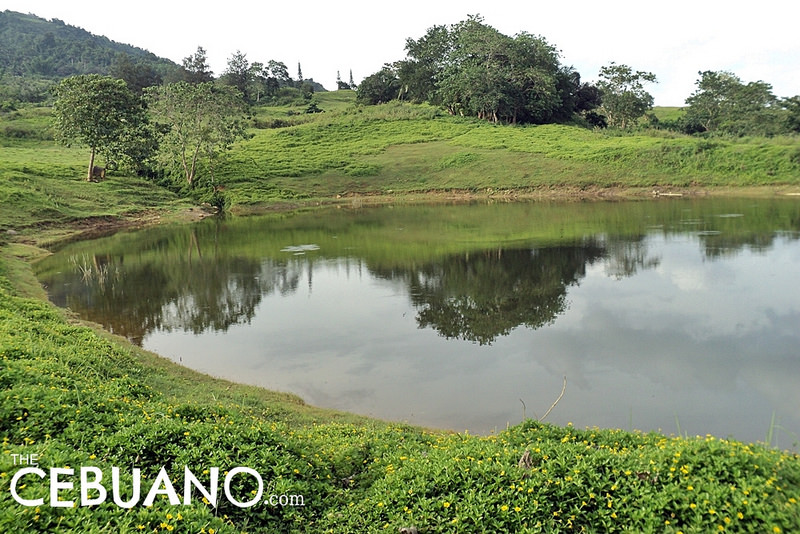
column 480, row 296
column 475, row 296
column 193, row 283
column 720, row 245
column 195, row 294
column 626, row 257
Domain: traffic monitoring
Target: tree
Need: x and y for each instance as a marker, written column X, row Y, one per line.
column 427, row 57
column 497, row 77
column 378, row 88
column 470, row 68
column 200, row 121
column 623, row 95
column 351, row 83
column 196, row 69
column 99, row 112
column 723, row 104
column 238, row 74
column 792, row 120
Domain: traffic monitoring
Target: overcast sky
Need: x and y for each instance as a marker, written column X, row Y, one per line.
column 674, row 40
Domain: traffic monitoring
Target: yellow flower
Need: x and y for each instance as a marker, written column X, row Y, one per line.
column 446, row 504
column 504, row 507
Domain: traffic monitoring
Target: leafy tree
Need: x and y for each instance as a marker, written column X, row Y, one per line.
column 378, row 88
column 576, row 97
column 723, row 104
column 623, row 95
column 196, row 69
column 257, row 83
column 99, row 112
column 500, row 78
column 792, row 120
column 472, row 69
column 278, row 70
column 200, row 121
column 238, row 74
column 426, row 59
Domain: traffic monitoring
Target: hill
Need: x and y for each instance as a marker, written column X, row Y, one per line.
column 30, row 45
column 38, row 50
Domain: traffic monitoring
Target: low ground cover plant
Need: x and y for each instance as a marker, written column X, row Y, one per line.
column 77, row 399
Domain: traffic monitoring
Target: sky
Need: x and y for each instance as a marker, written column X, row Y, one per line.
column 674, row 40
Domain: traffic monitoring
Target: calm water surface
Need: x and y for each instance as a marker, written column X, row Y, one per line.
column 677, row 315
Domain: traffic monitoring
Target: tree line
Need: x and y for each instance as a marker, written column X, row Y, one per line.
column 471, row 69
column 173, row 130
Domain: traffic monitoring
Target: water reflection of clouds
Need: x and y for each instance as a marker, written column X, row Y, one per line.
column 678, row 339
column 717, row 348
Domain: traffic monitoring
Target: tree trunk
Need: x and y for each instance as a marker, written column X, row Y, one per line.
column 91, row 166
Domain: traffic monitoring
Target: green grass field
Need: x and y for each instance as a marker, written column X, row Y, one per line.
column 77, row 396
column 397, row 148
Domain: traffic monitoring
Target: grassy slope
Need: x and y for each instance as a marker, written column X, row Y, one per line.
column 396, row 148
column 79, row 397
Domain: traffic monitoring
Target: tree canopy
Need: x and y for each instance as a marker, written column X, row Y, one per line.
column 472, row 69
column 199, row 121
column 623, row 94
column 99, row 112
column 723, row 104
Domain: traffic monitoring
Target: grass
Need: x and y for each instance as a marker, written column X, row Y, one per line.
column 397, row 148
column 77, row 396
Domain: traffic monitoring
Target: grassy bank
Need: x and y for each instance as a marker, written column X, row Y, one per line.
column 397, row 148
column 78, row 397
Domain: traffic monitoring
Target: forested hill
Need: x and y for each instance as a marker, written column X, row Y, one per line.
column 31, row 46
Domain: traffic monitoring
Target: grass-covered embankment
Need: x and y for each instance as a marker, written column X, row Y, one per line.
column 77, row 397
column 398, row 148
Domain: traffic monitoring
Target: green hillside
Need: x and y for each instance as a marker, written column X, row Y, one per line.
column 35, row 52
column 33, row 46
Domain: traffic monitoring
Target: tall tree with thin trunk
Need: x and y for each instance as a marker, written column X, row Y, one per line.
column 200, row 122
column 623, row 94
column 99, row 112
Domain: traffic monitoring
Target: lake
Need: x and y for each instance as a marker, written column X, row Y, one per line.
column 678, row 315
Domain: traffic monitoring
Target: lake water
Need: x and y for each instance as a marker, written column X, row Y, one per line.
column 675, row 315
